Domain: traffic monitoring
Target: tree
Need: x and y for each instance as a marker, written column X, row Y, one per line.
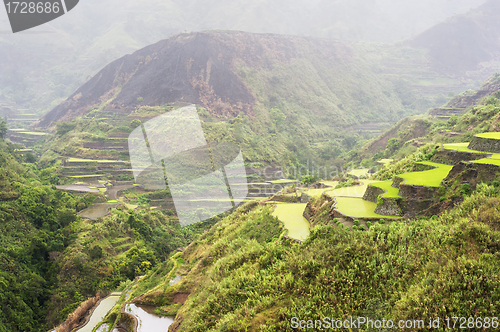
column 3, row 128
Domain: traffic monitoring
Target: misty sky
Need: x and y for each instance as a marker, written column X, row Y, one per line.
column 69, row 50
column 322, row 18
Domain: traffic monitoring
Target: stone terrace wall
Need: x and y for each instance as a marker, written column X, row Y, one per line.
column 451, row 157
column 485, row 144
column 372, row 194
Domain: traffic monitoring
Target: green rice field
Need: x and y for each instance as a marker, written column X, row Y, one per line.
column 291, row 216
column 359, row 172
column 78, row 160
column 281, row 181
column 494, row 135
column 430, row 178
column 354, row 191
column 464, row 147
column 357, row 208
column 390, row 191
column 318, row 192
column 489, row 161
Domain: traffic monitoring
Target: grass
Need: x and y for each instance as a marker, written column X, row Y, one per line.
column 495, row 135
column 430, row 178
column 291, row 216
column 390, row 191
column 357, row 208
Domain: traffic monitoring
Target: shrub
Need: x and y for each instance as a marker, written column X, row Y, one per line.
column 135, row 123
column 466, row 189
column 361, row 227
column 381, row 221
column 140, row 99
column 354, row 228
column 356, row 222
column 368, row 224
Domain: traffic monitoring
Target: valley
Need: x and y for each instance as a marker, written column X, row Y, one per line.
column 309, row 178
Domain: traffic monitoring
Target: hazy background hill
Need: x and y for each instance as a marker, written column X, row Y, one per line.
column 42, row 66
column 464, row 42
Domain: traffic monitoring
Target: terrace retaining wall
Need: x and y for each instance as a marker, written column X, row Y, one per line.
column 485, row 144
column 412, row 192
column 389, row 207
column 372, row 193
column 452, row 157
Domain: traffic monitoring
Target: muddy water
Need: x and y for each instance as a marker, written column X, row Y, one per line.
column 102, row 309
column 291, row 216
column 148, row 321
column 72, row 187
column 97, row 211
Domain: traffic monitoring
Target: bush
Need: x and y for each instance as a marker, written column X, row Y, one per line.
column 354, row 228
column 368, row 224
column 381, row 221
column 356, row 222
column 135, row 123
column 95, row 252
column 466, row 189
column 361, row 227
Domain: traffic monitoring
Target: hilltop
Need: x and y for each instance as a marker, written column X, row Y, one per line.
column 229, row 72
column 273, row 93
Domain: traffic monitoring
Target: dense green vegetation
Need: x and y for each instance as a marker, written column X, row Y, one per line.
column 240, row 270
column 441, row 266
column 51, row 260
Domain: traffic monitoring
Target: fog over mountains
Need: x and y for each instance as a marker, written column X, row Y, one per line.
column 42, row 66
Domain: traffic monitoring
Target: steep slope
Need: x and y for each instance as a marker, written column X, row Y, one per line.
column 226, row 71
column 236, row 280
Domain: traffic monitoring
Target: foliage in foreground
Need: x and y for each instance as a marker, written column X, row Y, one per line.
column 439, row 267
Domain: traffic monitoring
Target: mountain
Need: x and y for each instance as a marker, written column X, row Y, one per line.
column 218, row 71
column 320, row 88
column 41, row 67
column 469, row 42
